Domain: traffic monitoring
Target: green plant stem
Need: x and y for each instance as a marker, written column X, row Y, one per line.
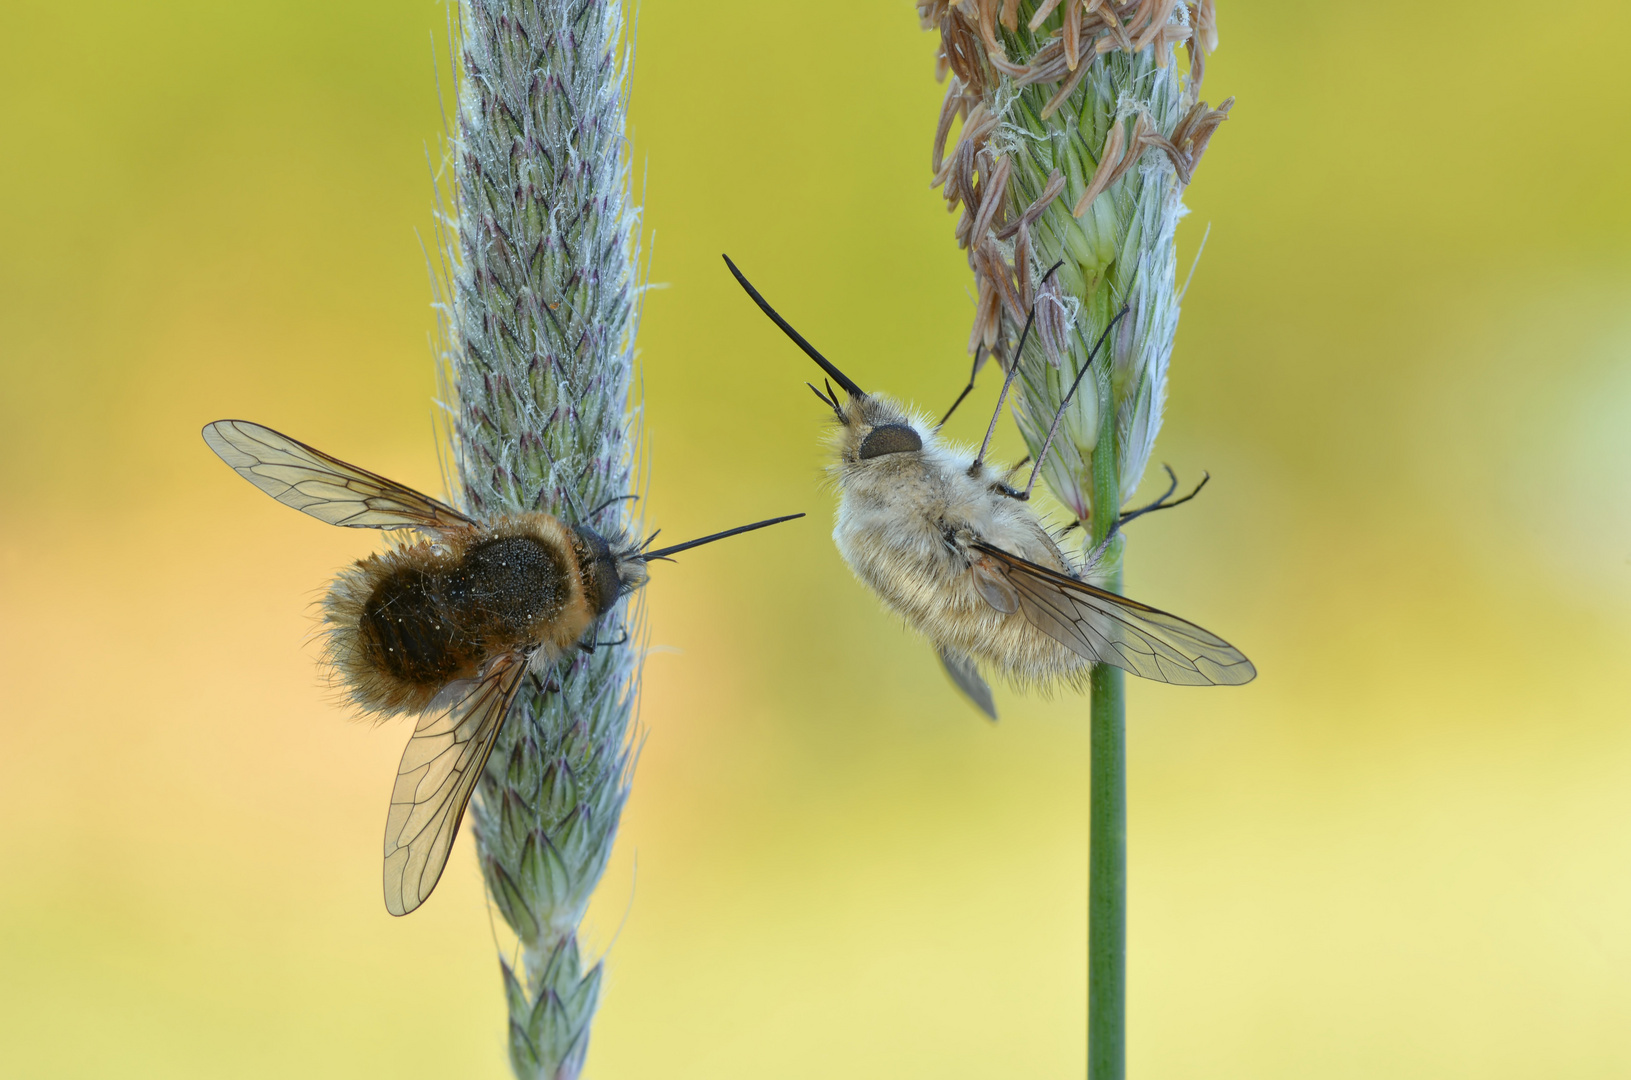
column 1107, row 829
column 1107, row 880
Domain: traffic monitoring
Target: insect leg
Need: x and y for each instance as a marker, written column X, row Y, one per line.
column 1094, row 556
column 1060, row 415
column 1162, row 503
column 1158, row 504
column 1013, row 370
column 967, row 390
column 1172, row 486
column 594, row 643
column 608, row 502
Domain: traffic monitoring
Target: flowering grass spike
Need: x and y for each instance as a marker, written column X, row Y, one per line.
column 1077, row 132
column 538, row 317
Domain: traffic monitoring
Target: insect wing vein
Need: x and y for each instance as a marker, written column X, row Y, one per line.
column 325, row 487
column 438, row 773
column 1101, row 626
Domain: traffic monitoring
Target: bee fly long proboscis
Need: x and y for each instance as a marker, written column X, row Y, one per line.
column 965, row 560
column 445, row 627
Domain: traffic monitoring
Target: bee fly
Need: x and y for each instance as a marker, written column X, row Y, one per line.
column 445, row 626
column 961, row 556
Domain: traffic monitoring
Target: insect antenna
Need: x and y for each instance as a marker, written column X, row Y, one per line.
column 1162, row 503
column 798, row 339
column 832, row 396
column 664, row 553
column 827, row 399
column 1064, row 404
column 967, row 390
column 1008, row 380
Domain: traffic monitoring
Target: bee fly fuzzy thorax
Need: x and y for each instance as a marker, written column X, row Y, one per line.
column 403, row 624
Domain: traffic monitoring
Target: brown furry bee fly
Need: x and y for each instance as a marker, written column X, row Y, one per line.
column 445, row 626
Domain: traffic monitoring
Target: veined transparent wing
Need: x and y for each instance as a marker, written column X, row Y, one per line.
column 1100, row 626
column 325, row 487
column 434, row 782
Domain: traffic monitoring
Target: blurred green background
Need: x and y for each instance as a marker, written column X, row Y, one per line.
column 1405, row 850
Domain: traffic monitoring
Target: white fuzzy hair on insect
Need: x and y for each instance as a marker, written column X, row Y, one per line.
column 963, row 557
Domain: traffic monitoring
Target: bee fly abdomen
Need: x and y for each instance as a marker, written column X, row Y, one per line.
column 408, row 632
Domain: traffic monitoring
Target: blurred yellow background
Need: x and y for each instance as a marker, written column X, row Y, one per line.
column 1404, row 851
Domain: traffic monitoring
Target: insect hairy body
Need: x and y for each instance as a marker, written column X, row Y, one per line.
column 403, row 625
column 445, row 626
column 907, row 523
column 962, row 557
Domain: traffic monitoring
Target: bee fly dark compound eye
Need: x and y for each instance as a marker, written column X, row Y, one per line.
column 890, row 439
column 963, row 558
column 600, row 569
column 445, row 626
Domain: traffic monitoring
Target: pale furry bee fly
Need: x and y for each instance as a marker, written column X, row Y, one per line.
column 445, row 626
column 966, row 561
